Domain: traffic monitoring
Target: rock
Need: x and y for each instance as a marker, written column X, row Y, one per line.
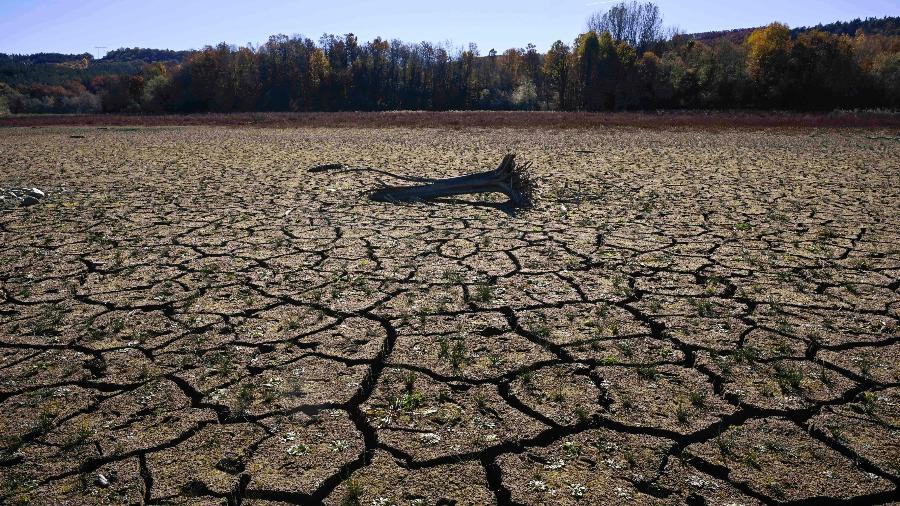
column 28, row 196
column 101, row 481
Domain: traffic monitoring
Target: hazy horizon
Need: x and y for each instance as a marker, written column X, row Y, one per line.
column 66, row 26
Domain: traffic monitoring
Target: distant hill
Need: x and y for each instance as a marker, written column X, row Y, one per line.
column 59, row 68
column 889, row 26
column 121, row 55
column 43, row 58
column 56, row 69
column 736, row 36
column 146, row 55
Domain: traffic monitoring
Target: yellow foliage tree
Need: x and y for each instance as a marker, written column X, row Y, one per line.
column 768, row 50
column 319, row 67
column 768, row 63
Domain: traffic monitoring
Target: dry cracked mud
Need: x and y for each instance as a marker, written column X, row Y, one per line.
column 687, row 317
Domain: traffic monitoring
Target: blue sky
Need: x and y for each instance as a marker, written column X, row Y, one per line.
column 76, row 26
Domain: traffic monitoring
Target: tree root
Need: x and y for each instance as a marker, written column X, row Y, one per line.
column 508, row 178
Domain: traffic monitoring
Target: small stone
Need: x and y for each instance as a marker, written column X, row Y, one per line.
column 101, row 481
column 36, row 193
column 430, row 438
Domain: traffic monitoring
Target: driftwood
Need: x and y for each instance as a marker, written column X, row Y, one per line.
column 509, row 179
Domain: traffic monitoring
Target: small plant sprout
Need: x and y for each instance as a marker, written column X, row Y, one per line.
column 581, row 414
column 726, row 442
column 647, row 372
column 409, row 381
column 788, row 376
column 481, row 401
column 682, row 413
column 458, row 353
column 298, row 449
column 352, row 493
column 245, row 398
column 698, row 399
column 453, row 277
column 868, row 402
column 483, row 293
column 410, row 401
column 573, row 448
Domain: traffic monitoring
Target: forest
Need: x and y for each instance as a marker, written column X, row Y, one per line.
column 625, row 60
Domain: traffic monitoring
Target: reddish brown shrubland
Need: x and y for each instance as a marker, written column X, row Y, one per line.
column 479, row 119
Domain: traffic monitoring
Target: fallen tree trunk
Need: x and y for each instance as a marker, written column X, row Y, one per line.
column 508, row 178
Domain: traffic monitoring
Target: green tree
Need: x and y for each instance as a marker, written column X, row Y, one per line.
column 319, row 74
column 824, row 72
column 654, row 86
column 886, row 73
column 587, row 52
column 598, row 69
column 11, row 101
column 556, row 70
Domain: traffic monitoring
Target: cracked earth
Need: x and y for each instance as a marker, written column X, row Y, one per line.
column 700, row 317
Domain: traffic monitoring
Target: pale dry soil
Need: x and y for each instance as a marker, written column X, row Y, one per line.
column 699, row 317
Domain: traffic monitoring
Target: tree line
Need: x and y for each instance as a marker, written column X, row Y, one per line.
column 626, row 60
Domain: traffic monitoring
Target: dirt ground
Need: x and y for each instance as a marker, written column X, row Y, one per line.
column 687, row 317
